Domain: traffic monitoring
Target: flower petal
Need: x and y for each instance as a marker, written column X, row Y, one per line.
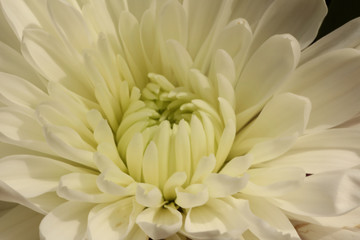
column 262, row 72
column 298, row 18
column 193, row 196
column 346, row 36
column 324, row 194
column 214, row 219
column 318, row 161
column 20, row 223
column 159, row 223
column 115, row 221
column 272, row 215
column 274, row 181
column 322, row 75
column 31, row 175
column 285, row 115
column 312, row 231
column 221, row 185
column 148, row 195
column 82, row 187
column 68, row 221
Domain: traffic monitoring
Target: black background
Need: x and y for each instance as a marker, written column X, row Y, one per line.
column 339, row 12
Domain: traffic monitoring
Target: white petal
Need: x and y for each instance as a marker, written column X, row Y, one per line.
column 274, row 181
column 82, row 187
column 70, row 24
column 318, row 161
column 19, row 15
column 221, row 185
column 20, row 223
column 201, row 16
column 148, row 195
column 345, row 139
column 20, row 92
column 225, row 144
column 235, row 39
column 68, row 221
column 67, row 151
column 298, row 18
column 216, row 218
column 346, row 36
column 335, row 76
column 237, row 166
column 193, row 196
column 205, row 167
column 159, row 223
column 312, row 231
column 12, row 62
column 270, row 149
column 272, row 215
column 173, row 22
column 197, row 138
column 8, row 194
column 32, row 176
column 262, row 71
column 324, row 194
column 285, row 115
column 151, row 164
column 134, row 156
column 22, row 130
column 176, row 180
column 251, row 10
column 8, row 36
column 115, row 220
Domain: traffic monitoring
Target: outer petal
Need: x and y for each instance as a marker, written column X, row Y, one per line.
column 332, row 84
column 116, row 221
column 218, row 219
column 31, row 175
column 312, row 231
column 82, row 187
column 20, row 223
column 262, row 72
column 299, row 18
column 159, row 223
column 285, row 115
column 346, row 36
column 318, row 161
column 272, row 215
column 68, row 221
column 274, row 181
column 325, row 194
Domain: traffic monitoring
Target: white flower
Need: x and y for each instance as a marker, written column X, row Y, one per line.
column 175, row 119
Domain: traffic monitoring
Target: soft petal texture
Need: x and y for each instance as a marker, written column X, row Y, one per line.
column 261, row 72
column 325, row 194
column 218, row 218
column 272, row 215
column 278, row 19
column 346, row 36
column 68, row 221
column 312, row 231
column 20, row 223
column 82, row 187
column 328, row 108
column 32, row 176
column 287, row 114
column 160, row 223
column 275, row 181
column 109, row 219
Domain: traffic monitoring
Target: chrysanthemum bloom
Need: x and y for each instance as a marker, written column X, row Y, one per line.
column 198, row 119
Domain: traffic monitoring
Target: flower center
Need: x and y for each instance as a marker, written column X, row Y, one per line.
column 169, row 126
column 172, row 104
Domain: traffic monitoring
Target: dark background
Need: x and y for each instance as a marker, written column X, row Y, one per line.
column 339, row 12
